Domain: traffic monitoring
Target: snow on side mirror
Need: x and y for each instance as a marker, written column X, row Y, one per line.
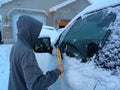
column 43, row 45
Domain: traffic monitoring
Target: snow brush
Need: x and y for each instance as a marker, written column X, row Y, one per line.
column 59, row 59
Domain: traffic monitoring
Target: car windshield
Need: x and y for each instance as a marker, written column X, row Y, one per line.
column 92, row 28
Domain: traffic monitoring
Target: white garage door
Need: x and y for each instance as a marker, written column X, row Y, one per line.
column 15, row 17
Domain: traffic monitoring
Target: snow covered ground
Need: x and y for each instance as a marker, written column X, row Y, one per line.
column 4, row 66
column 78, row 76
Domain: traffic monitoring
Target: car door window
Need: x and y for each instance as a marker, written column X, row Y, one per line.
column 87, row 30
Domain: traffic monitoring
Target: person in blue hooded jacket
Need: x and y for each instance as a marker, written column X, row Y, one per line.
column 25, row 73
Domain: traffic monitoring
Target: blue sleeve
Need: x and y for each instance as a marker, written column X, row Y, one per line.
column 33, row 75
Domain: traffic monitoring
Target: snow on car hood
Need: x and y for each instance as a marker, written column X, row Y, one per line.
column 86, row 76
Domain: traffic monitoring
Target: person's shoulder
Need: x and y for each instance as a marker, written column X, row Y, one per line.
column 20, row 47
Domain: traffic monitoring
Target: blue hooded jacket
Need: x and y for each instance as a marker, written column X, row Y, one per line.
column 25, row 73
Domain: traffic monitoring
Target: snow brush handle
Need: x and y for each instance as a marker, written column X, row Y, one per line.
column 59, row 59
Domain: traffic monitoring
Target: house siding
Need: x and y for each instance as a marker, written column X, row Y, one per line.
column 37, row 7
column 28, row 4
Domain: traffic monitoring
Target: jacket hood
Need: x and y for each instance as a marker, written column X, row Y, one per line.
column 28, row 30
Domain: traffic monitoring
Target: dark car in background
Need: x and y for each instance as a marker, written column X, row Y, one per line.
column 94, row 33
column 0, row 30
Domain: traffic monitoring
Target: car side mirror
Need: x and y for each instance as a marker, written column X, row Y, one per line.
column 43, row 45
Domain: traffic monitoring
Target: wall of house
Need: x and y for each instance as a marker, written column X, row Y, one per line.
column 34, row 7
column 67, row 12
column 28, row 4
